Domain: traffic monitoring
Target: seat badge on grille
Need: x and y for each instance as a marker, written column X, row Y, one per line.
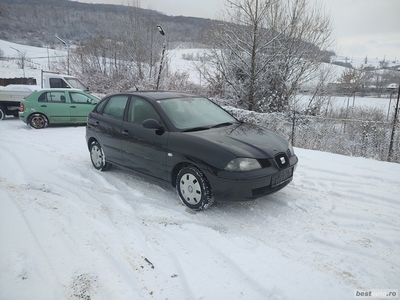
column 283, row 161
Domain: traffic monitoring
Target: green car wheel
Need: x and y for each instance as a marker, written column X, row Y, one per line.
column 38, row 121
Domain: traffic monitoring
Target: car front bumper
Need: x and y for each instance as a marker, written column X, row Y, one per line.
column 251, row 185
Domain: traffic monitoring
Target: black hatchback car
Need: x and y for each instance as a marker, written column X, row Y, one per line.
column 190, row 142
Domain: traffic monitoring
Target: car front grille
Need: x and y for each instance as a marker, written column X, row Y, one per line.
column 288, row 153
column 265, row 163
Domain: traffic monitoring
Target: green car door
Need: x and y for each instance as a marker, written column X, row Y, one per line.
column 55, row 106
column 81, row 105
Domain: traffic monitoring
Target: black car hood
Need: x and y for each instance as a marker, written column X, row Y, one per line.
column 245, row 140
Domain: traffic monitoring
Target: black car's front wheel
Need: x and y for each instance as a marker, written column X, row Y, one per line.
column 193, row 188
column 98, row 158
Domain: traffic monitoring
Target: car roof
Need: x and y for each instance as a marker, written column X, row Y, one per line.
column 160, row 95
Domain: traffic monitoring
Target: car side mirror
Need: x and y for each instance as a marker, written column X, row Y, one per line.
column 152, row 124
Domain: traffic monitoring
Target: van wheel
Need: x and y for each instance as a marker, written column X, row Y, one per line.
column 38, row 121
column 2, row 113
column 193, row 188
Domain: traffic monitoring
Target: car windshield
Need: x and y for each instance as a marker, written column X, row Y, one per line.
column 195, row 113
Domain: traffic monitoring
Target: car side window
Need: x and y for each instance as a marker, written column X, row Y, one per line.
column 115, row 107
column 100, row 106
column 52, row 97
column 77, row 97
column 43, row 97
column 140, row 110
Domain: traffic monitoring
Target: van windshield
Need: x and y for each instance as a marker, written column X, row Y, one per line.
column 76, row 84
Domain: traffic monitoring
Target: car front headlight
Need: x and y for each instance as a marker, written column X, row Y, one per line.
column 243, row 164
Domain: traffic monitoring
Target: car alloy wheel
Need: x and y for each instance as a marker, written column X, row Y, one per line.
column 97, row 157
column 38, row 121
column 193, row 188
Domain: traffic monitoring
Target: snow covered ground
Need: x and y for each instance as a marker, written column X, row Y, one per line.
column 68, row 231
column 336, row 103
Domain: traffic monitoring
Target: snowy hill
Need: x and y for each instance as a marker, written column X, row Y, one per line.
column 42, row 59
column 36, row 59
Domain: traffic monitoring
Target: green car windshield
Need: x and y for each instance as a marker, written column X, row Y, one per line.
column 195, row 113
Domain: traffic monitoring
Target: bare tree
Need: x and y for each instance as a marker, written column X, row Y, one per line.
column 319, row 91
column 354, row 80
column 265, row 50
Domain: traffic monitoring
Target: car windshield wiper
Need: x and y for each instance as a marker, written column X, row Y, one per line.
column 222, row 124
column 208, row 127
column 196, row 129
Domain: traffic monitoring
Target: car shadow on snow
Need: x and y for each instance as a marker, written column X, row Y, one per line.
column 273, row 204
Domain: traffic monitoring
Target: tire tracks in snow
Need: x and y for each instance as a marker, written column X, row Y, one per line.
column 29, row 268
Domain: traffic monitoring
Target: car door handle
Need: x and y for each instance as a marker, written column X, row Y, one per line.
column 73, row 106
column 43, row 105
column 125, row 132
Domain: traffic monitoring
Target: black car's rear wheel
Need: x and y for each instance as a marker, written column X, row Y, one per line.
column 193, row 188
column 38, row 121
column 98, row 158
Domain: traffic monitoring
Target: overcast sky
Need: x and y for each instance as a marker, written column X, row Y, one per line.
column 360, row 27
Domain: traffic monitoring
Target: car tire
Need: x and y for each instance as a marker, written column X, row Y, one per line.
column 2, row 113
column 193, row 188
column 98, row 158
column 38, row 121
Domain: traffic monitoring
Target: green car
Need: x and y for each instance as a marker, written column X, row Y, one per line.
column 56, row 106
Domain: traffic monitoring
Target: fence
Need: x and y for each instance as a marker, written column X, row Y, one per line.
column 351, row 137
